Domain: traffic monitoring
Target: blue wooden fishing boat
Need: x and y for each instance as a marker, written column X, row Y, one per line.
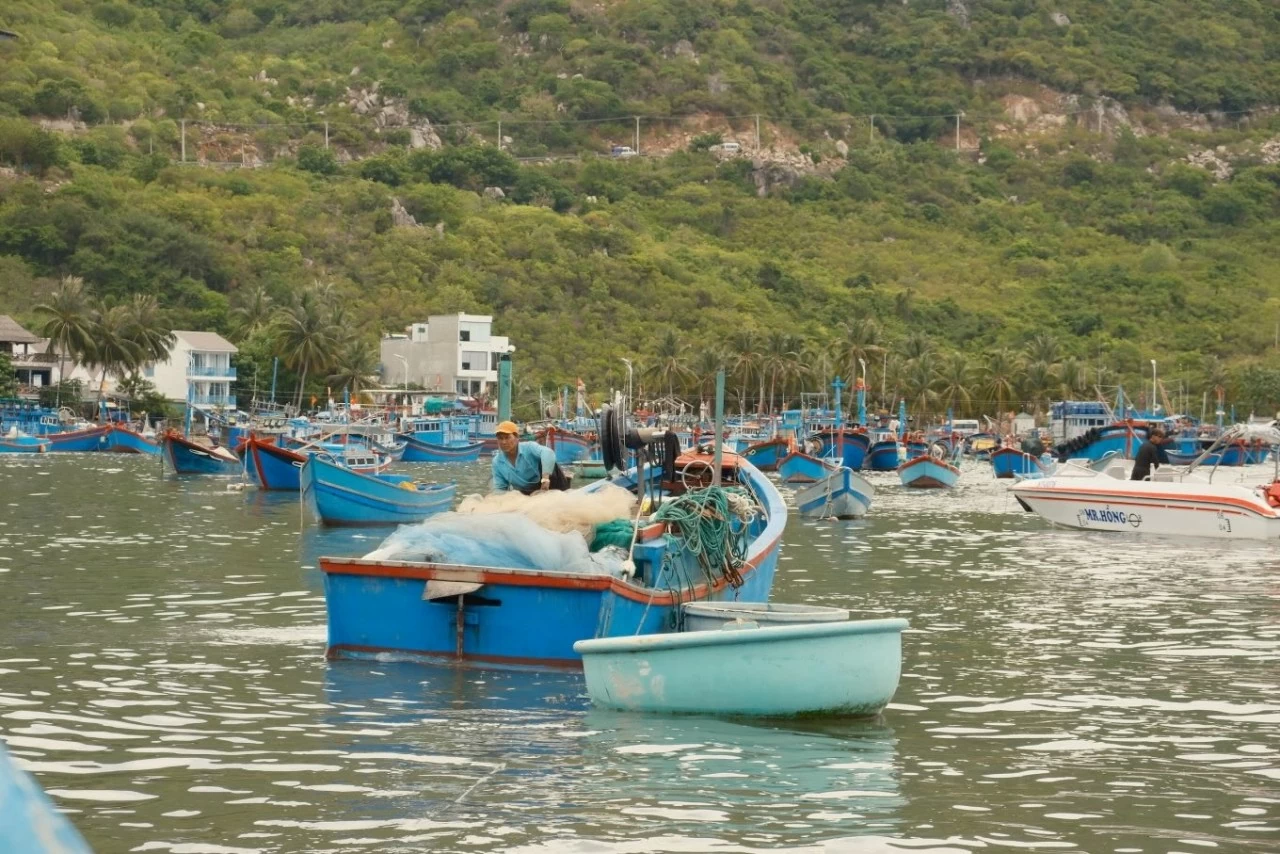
column 849, row 445
column 187, row 457
column 532, row 617
column 849, row 668
column 418, row 451
column 122, row 440
column 87, row 439
column 841, row 494
column 1015, row 462
column 884, row 456
column 569, row 445
column 29, row 821
column 340, row 496
column 797, row 467
column 17, row 442
column 270, row 466
column 767, row 454
column 928, row 472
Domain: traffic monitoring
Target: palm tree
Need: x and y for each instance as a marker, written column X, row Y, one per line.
column 1074, row 377
column 305, row 336
column 954, row 379
column 68, row 324
column 999, row 379
column 745, row 348
column 148, row 328
column 1043, row 348
column 113, row 349
column 670, row 367
column 1038, row 379
column 780, row 349
column 252, row 313
column 918, row 380
column 861, row 341
column 916, row 345
column 355, row 365
column 706, row 365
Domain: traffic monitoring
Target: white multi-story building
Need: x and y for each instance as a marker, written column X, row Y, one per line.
column 198, row 370
column 449, row 352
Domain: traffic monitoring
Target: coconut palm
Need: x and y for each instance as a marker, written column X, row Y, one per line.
column 1043, row 348
column 68, row 322
column 744, row 345
column 355, row 365
column 860, row 342
column 252, row 313
column 305, row 337
column 919, row 377
column 706, row 365
column 955, row 377
column 113, row 350
column 1000, row 377
column 669, row 367
column 1074, row 377
column 1038, row 380
column 148, row 328
column 781, row 349
column 916, row 345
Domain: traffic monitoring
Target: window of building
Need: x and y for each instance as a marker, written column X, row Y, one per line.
column 466, row 366
column 464, row 335
column 149, row 371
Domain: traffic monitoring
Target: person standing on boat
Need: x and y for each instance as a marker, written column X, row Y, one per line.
column 1149, row 456
column 525, row 467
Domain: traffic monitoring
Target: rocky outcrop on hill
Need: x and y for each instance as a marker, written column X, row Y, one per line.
column 391, row 113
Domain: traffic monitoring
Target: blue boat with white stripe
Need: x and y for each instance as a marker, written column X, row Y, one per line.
column 842, row 494
column 340, row 496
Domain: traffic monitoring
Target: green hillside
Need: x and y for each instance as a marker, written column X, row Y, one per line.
column 1057, row 250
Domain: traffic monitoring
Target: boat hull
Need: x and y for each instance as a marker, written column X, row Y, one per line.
column 766, row 455
column 79, row 441
column 523, row 617
column 928, row 473
column 796, row 467
column 848, row 446
column 124, row 441
column 23, row 445
column 339, row 496
column 1012, row 462
column 842, row 494
column 417, row 451
column 568, row 445
column 187, row 457
column 1226, row 511
column 272, row 467
column 835, row 668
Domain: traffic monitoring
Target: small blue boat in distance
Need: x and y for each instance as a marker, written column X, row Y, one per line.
column 340, row 496
column 187, row 457
column 841, row 494
column 797, row 467
column 17, row 442
column 418, row 451
column 122, row 440
column 1015, row 462
column 847, row 668
column 928, row 472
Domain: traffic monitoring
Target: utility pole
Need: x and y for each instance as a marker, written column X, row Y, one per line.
column 871, row 131
column 957, row 132
column 184, row 140
column 499, row 134
column 757, row 133
column 637, row 146
column 326, row 134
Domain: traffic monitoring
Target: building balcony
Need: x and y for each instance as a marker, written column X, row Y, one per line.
column 228, row 400
column 211, row 372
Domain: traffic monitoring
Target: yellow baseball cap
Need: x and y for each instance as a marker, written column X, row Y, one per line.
column 507, row 427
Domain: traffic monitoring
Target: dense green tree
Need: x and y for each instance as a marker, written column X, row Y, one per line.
column 68, row 322
column 305, row 336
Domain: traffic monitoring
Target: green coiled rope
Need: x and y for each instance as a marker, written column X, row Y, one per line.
column 702, row 522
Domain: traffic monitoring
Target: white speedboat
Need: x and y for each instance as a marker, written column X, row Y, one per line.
column 1173, row 501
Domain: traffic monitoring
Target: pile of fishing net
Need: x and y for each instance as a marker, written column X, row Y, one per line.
column 548, row 531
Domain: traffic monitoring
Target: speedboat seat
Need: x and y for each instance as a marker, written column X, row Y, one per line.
column 1117, row 472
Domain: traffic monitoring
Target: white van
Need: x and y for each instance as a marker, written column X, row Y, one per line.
column 729, row 147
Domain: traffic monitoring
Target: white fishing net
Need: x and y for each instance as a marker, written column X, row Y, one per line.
column 547, row 531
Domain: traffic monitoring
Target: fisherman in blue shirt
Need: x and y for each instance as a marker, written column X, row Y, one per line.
column 524, row 466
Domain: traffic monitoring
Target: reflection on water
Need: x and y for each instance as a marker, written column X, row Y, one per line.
column 161, row 672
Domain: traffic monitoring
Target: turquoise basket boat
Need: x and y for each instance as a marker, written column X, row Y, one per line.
column 832, row 668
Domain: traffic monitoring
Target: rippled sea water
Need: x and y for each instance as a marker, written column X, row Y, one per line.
column 162, row 674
